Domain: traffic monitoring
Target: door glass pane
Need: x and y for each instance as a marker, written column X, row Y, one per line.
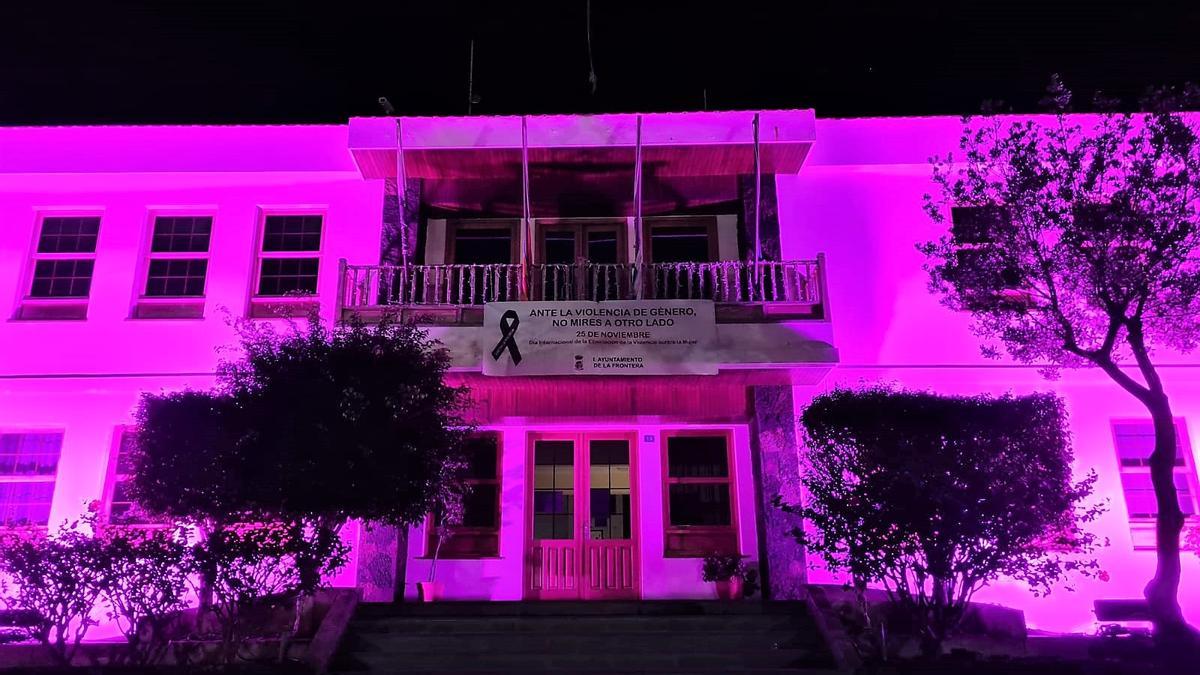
column 553, row 490
column 610, row 497
column 602, row 246
column 679, row 244
column 482, row 246
column 560, row 247
column 603, row 277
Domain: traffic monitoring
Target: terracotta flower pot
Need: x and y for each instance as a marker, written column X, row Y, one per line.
column 729, row 589
column 428, row 591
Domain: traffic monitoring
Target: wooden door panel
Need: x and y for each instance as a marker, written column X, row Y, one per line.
column 610, row 571
column 555, row 570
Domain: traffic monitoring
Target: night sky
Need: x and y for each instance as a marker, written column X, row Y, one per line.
column 257, row 61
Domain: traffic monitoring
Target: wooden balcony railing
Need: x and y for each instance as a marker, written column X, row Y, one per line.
column 791, row 282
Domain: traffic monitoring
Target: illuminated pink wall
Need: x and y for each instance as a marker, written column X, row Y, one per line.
column 858, row 200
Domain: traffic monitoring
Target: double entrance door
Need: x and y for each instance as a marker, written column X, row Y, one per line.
column 582, row 541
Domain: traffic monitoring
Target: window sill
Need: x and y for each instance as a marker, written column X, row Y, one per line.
column 282, row 307
column 168, row 307
column 52, row 309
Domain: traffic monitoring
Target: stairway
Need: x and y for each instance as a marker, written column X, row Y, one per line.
column 572, row 637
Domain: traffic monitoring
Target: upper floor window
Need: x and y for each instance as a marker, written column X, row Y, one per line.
column 28, row 466
column 178, row 256
column 479, row 533
column 1134, row 441
column 699, row 494
column 289, row 256
column 63, row 261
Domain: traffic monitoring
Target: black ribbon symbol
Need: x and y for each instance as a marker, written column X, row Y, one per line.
column 508, row 331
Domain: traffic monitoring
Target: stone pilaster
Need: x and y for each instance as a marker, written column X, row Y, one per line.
column 768, row 226
column 777, row 466
column 392, row 239
column 381, row 552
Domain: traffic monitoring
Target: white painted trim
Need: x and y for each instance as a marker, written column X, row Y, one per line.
column 727, row 244
column 435, row 241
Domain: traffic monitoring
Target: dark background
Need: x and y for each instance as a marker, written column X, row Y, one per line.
column 271, row 61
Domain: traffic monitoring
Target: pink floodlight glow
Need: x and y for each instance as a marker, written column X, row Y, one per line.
column 849, row 190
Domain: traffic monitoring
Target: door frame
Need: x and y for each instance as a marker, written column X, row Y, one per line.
column 582, row 485
column 581, row 226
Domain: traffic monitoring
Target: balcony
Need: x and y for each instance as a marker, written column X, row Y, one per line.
column 743, row 291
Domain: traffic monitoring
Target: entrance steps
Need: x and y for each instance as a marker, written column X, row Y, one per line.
column 571, row 637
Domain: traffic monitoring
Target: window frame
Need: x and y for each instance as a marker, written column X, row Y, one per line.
column 112, row 476
column 454, row 225
column 1142, row 527
column 580, row 228
column 73, row 307
column 172, row 306
column 35, row 478
column 710, row 224
column 279, row 306
column 472, row 533
column 701, row 533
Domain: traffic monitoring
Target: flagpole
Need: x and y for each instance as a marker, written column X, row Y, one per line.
column 526, row 211
column 638, row 257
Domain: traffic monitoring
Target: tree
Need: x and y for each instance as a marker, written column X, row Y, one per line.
column 349, row 421
column 1080, row 247
column 188, row 465
column 308, row 428
column 933, row 497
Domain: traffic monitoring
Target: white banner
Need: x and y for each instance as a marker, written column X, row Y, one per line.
column 637, row 337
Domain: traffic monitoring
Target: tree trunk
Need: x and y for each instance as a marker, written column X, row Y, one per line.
column 1162, row 591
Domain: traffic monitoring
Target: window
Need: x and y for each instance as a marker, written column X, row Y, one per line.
column 676, row 240
column 486, row 252
column 699, row 494
column 1135, row 442
column 479, row 534
column 28, row 466
column 63, row 261
column 977, row 225
column 176, row 269
column 289, row 257
column 288, row 262
column 119, row 505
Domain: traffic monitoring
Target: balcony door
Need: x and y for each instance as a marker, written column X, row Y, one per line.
column 582, row 260
column 582, row 543
column 483, row 257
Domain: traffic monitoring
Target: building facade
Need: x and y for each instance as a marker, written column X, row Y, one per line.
column 640, row 305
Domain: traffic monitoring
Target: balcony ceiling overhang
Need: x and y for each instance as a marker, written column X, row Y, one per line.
column 696, row 144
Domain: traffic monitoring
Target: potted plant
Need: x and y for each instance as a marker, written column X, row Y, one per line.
column 727, row 571
column 447, row 514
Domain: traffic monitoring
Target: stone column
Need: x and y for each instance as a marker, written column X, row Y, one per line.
column 382, row 551
column 768, row 226
column 391, row 239
column 775, row 450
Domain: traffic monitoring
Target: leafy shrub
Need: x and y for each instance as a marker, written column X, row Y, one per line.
column 933, row 497
column 57, row 580
column 146, row 585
